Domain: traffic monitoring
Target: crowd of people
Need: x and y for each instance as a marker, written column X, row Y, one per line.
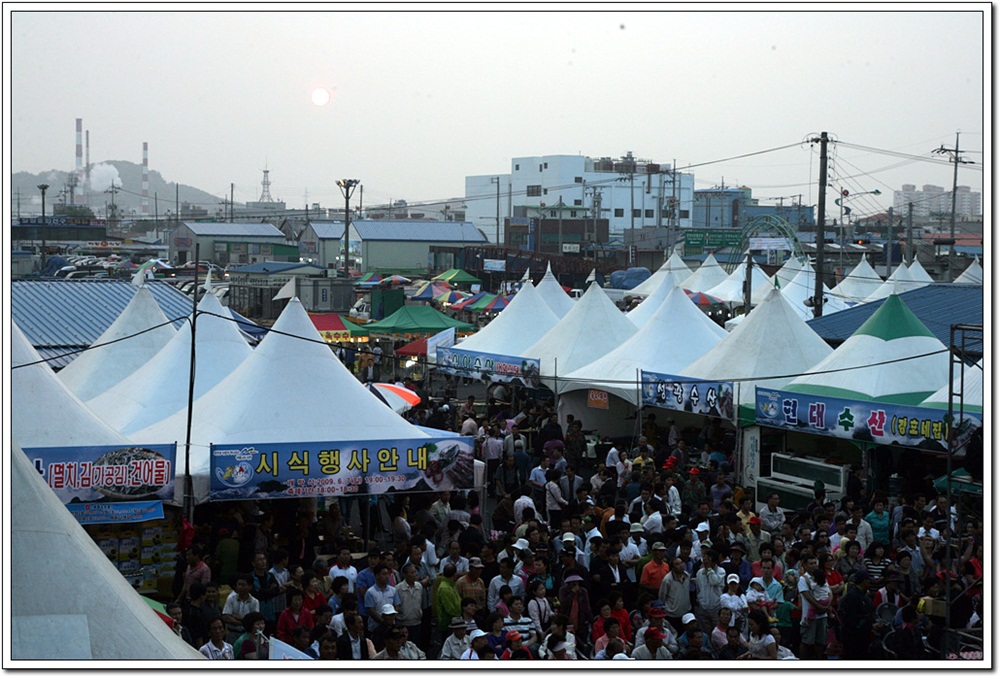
column 649, row 553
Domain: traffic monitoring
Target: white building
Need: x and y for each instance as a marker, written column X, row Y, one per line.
column 631, row 192
column 935, row 200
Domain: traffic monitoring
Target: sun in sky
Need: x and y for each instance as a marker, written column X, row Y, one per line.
column 320, row 96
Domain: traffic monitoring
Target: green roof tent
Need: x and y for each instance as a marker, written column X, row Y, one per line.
column 417, row 320
column 457, row 276
column 892, row 357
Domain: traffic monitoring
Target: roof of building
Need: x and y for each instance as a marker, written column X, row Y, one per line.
column 233, row 229
column 938, row 306
column 419, row 231
column 328, row 230
column 58, row 316
column 275, row 267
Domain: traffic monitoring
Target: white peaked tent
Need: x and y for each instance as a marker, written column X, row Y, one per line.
column 673, row 265
column 594, row 327
column 972, row 275
column 288, row 390
column 160, row 387
column 525, row 320
column 103, row 367
column 44, row 412
column 972, row 391
column 892, row 357
column 918, row 274
column 803, row 287
column 897, row 283
column 730, row 290
column 645, row 310
column 709, row 274
column 773, row 341
column 67, row 600
column 781, row 279
column 859, row 284
column 676, row 335
column 553, row 294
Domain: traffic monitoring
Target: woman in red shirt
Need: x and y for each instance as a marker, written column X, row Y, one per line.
column 294, row 616
column 313, row 597
column 619, row 612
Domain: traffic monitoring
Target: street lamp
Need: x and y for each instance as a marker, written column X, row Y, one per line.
column 43, row 187
column 347, row 187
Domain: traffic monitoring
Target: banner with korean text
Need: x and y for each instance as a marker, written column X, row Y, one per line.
column 475, row 364
column 877, row 422
column 680, row 393
column 109, row 484
column 293, row 470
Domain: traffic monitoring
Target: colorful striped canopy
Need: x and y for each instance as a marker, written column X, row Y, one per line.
column 450, row 296
column 702, row 299
column 333, row 328
column 490, row 305
column 428, row 290
column 466, row 302
column 370, row 278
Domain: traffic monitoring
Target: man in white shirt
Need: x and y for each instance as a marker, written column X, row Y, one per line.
column 633, row 550
column 772, row 518
column 652, row 522
column 673, row 497
column 343, row 567
column 238, row 604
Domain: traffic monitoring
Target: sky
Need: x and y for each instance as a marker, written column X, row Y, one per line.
column 420, row 99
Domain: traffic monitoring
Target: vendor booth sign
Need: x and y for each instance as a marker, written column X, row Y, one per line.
column 294, row 470
column 109, row 484
column 679, row 393
column 474, row 364
column 878, row 422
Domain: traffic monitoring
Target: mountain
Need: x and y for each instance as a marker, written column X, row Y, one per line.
column 128, row 197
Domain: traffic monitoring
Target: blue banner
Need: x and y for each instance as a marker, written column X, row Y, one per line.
column 290, row 470
column 116, row 513
column 681, row 393
column 862, row 421
column 108, row 480
column 475, row 364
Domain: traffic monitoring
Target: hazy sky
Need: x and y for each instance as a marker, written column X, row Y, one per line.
column 420, row 99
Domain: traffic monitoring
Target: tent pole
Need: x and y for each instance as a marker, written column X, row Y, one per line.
column 188, row 482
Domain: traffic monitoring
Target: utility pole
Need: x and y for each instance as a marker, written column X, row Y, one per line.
column 496, row 180
column 347, row 188
column 43, row 187
column 888, row 260
column 560, row 226
column 909, row 234
column 231, row 188
column 177, row 205
column 597, row 213
column 955, row 156
column 747, row 285
column 820, row 235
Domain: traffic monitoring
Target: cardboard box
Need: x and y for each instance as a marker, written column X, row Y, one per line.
column 932, row 607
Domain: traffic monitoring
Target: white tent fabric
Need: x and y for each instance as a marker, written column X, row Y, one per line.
column 859, row 284
column 160, row 387
column 44, row 412
column 645, row 310
column 897, row 283
column 892, row 357
column 68, row 601
column 772, row 341
column 730, row 290
column 97, row 369
column 673, row 265
column 319, row 401
column 709, row 274
column 972, row 390
column 972, row 275
column 782, row 278
column 553, row 294
column 676, row 335
column 594, row 327
column 918, row 274
column 803, row 287
column 525, row 320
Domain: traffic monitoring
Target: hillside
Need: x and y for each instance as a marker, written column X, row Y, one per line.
column 129, row 196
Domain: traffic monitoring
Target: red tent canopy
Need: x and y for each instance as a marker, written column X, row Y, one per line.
column 416, row 348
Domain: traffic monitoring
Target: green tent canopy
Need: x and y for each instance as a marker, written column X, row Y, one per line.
column 457, row 276
column 412, row 321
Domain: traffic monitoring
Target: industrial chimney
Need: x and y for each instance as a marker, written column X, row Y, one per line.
column 78, row 197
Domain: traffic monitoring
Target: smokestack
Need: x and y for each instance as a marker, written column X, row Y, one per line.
column 79, row 157
column 86, row 162
column 145, row 178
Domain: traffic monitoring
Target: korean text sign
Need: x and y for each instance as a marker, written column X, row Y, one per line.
column 111, row 475
column 710, row 398
column 293, row 470
column 878, row 422
column 497, row 367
